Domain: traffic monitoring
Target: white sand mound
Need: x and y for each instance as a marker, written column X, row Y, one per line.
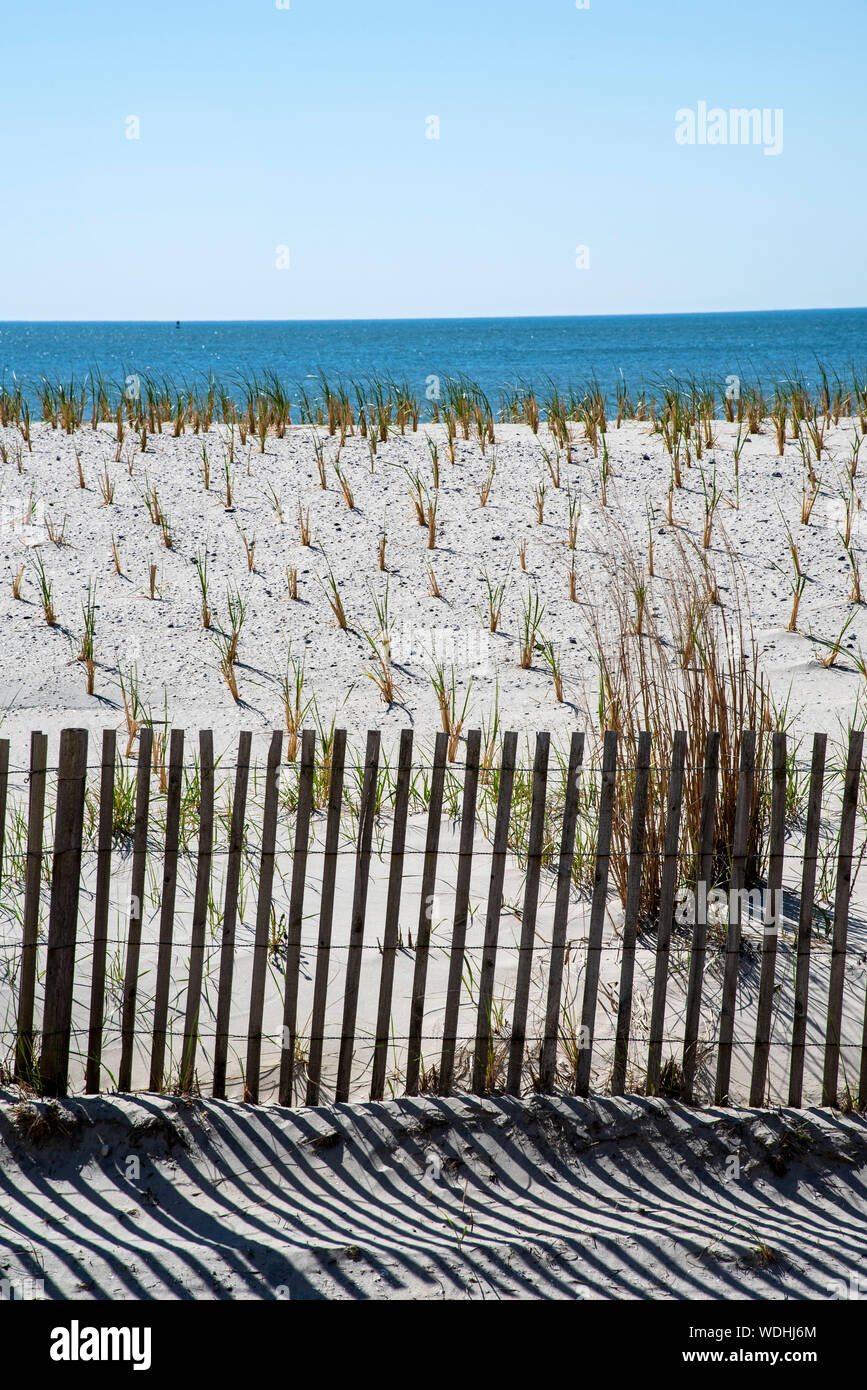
column 43, row 685
column 156, row 1198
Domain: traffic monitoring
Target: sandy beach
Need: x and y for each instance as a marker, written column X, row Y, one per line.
column 176, row 661
column 156, row 661
column 433, row 604
column 553, row 1198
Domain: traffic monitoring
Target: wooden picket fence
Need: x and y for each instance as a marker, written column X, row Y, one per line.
column 45, row 1050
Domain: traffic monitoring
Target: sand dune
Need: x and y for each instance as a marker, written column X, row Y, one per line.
column 558, row 1198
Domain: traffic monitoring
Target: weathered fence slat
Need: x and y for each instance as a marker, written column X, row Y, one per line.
column 862, row 1073
column 598, row 907
column 136, row 907
column 462, row 898
column 492, row 914
column 772, row 917
column 630, row 916
column 204, row 858
column 63, row 913
column 259, row 969
column 805, row 921
column 359, row 907
column 842, row 893
column 294, row 925
column 425, row 914
column 230, row 917
column 392, row 915
column 704, row 865
column 740, row 848
column 326, row 914
column 167, row 909
column 104, row 836
column 4, row 794
column 24, row 1057
column 548, row 1058
column 535, row 849
column 667, row 889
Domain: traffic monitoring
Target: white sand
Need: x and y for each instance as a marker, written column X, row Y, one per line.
column 428, row 1199
column 43, row 685
column 178, row 672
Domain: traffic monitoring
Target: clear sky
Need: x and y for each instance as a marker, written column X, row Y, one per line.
column 305, row 127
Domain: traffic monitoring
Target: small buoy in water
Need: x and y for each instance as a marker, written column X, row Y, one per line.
column 178, row 324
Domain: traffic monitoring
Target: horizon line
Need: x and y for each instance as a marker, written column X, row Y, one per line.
column 462, row 318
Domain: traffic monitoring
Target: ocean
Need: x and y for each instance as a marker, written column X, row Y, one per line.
column 495, row 352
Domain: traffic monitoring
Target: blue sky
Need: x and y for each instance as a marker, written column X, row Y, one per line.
column 305, row 127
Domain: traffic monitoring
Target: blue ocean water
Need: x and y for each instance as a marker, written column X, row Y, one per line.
column 495, row 352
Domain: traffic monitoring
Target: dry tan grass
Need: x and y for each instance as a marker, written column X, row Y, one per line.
column 692, row 668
